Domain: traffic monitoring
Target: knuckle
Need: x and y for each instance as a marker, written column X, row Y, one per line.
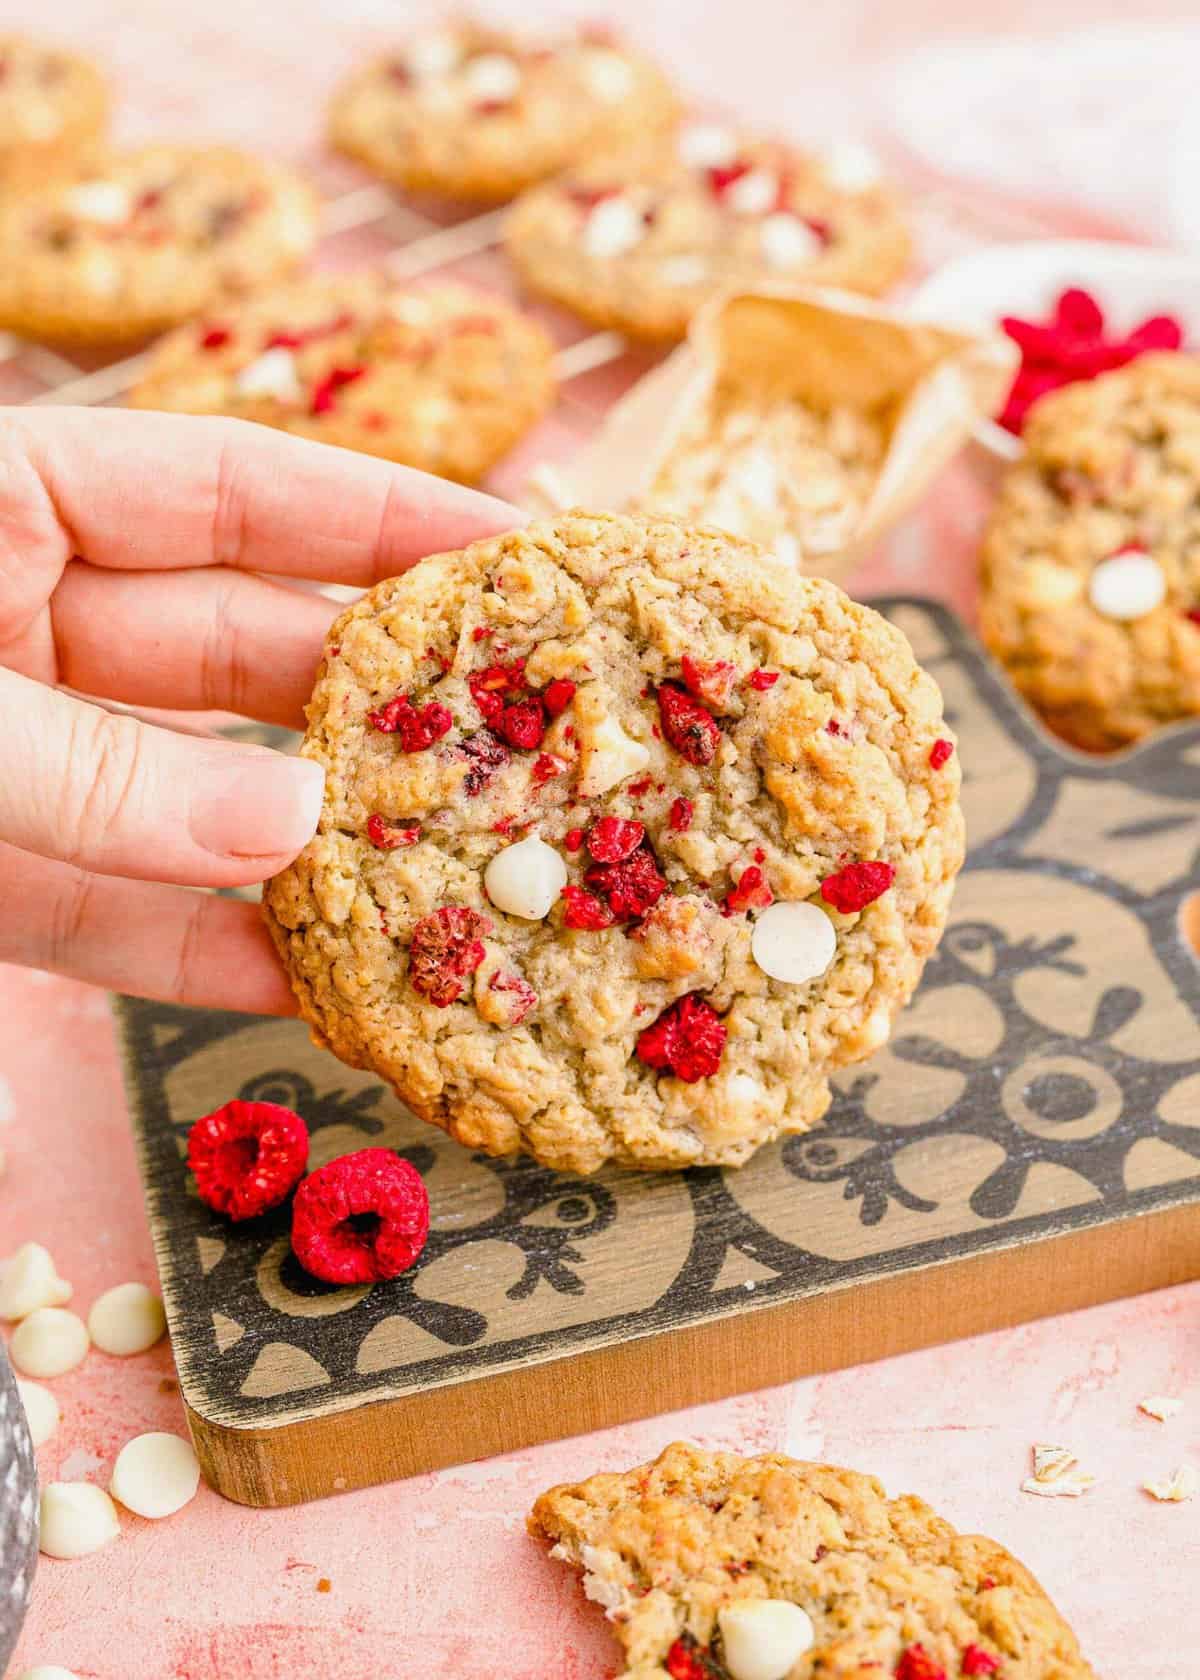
column 103, row 776
column 229, row 506
column 222, row 668
column 191, row 946
column 69, row 912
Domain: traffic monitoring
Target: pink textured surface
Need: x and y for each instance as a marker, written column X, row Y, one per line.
column 435, row 1576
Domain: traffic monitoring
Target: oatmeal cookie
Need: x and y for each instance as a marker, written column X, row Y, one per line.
column 1091, row 560
column 631, row 836
column 640, row 240
column 474, row 112
column 53, row 106
column 440, row 377
column 715, row 1567
column 138, row 241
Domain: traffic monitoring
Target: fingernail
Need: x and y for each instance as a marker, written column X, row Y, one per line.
column 256, row 805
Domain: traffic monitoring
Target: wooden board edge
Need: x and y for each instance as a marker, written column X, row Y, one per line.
column 389, row 1440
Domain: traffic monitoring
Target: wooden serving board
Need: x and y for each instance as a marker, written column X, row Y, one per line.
column 1029, row 1142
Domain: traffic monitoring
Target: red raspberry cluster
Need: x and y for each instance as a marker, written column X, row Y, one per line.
column 686, row 1040
column 445, row 950
column 515, row 712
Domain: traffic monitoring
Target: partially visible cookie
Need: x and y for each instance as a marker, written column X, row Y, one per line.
column 631, row 836
column 137, row 241
column 1091, row 560
column 53, row 106
column 715, row 1567
column 639, row 241
column 469, row 111
column 444, row 378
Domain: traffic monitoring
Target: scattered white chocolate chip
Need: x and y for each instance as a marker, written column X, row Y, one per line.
column 1056, row 1474
column 1181, row 1484
column 614, row 227
column 76, row 1518
column 1160, row 1406
column 41, row 1411
column 156, row 1474
column 707, row 146
column 607, row 755
column 1049, row 1463
column 28, row 1280
column 273, row 374
column 435, row 54
column 607, row 74
column 851, row 167
column 763, row 1638
column 100, row 201
column 1127, row 586
column 48, row 1671
column 786, row 241
column 492, row 76
column 753, row 193
column 126, row 1319
column 793, row 942
column 49, row 1342
column 525, row 880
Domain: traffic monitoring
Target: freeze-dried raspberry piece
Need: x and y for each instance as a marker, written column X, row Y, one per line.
column 582, row 909
column 688, row 1038
column 690, row 729
column 492, row 688
column 975, row 1660
column 721, row 176
column 546, row 767
column 940, row 753
column 558, row 696
column 917, row 1664
column 614, row 838
column 762, row 680
column 573, row 839
column 523, row 724
column 485, row 755
column 390, row 837
column 587, row 198
column 417, row 729
column 446, row 947
column 687, row 1659
column 295, row 338
column 518, row 995
column 681, row 815
column 361, row 1218
column 247, row 1157
column 857, row 885
column 751, row 892
column 216, row 338
column 324, row 394
column 710, row 680
column 632, row 885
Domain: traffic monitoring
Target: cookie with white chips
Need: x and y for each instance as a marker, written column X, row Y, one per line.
column 631, row 837
column 1091, row 561
column 53, row 106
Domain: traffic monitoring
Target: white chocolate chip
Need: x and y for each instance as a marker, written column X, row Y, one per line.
column 1181, row 1484
column 614, row 227
column 686, row 269
column 48, row 1343
column 273, row 374
column 76, row 1518
column 851, row 167
column 1044, row 583
column 493, row 76
column 29, row 1280
column 100, row 201
column 435, row 54
column 754, row 193
column 127, row 1319
column 1127, row 586
column 744, row 1094
column 707, row 146
column 793, row 942
column 607, row 74
column 48, row 1671
column 763, row 1638
column 607, row 756
column 156, row 1474
column 41, row 1411
column 787, row 241
column 525, row 880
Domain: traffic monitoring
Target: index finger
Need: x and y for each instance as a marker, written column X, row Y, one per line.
column 141, row 490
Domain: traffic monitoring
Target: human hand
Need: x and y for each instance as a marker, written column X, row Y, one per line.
column 129, row 545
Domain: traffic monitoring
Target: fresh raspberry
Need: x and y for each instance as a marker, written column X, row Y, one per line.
column 857, row 885
column 446, row 947
column 917, row 1664
column 631, row 886
column 523, row 724
column 485, row 755
column 688, row 1038
column 324, row 395
column 710, row 680
column 389, row 837
column 583, row 909
column 558, row 696
column 546, row 767
column 1078, row 313
column 689, row 1660
column 573, row 839
column 361, row 1218
column 613, row 839
column 247, row 1157
column 690, row 729
column 750, row 893
column 939, row 753
column 975, row 1660
column 681, row 815
column 417, row 729
column 216, row 338
column 762, row 680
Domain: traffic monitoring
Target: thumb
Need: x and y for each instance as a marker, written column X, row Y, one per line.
column 120, row 797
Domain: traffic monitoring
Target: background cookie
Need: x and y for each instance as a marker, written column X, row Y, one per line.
column 639, row 241
column 716, row 1567
column 141, row 240
column 53, row 105
column 443, row 378
column 1091, row 561
column 473, row 112
column 631, row 835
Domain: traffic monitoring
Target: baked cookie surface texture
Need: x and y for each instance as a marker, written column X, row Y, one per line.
column 53, row 105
